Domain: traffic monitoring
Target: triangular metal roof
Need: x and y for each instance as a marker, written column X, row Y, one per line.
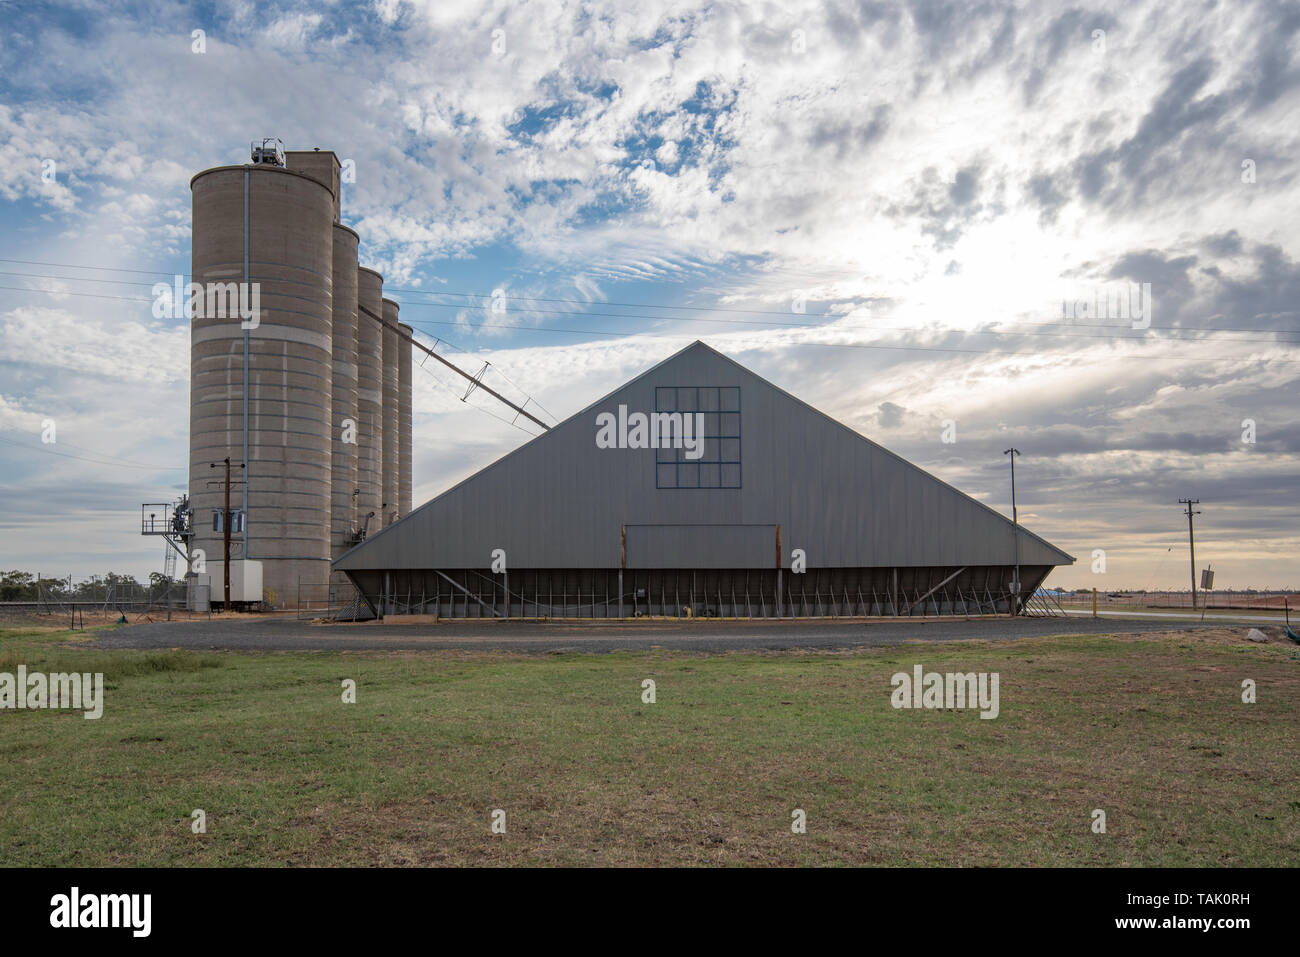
column 558, row 501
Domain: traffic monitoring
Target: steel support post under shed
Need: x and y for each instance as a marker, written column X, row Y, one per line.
column 779, row 607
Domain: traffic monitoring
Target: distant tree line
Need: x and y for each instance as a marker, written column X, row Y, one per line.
column 22, row 586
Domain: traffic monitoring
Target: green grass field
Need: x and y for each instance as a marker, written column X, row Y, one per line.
column 1150, row 729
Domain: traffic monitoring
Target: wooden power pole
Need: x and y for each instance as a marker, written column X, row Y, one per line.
column 1015, row 524
column 226, row 522
column 225, row 528
column 1191, row 539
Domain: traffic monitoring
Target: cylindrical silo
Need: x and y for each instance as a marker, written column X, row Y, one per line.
column 389, row 481
column 344, row 427
column 370, row 399
column 322, row 166
column 272, row 228
column 404, row 413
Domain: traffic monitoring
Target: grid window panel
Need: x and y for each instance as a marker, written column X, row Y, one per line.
column 719, row 464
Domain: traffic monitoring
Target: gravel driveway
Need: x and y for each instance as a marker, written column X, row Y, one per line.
column 286, row 634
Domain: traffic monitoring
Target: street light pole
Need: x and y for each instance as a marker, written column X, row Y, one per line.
column 1015, row 524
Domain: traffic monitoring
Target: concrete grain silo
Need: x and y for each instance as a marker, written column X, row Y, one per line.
column 344, row 425
column 370, row 399
column 261, row 387
column 322, row 166
column 391, row 360
column 404, row 415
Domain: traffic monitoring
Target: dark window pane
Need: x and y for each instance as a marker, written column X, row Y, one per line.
column 693, row 421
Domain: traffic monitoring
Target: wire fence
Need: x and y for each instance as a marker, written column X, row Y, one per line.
column 115, row 596
column 1245, row 600
column 337, row 601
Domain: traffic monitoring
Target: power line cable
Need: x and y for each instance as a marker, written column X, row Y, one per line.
column 845, row 345
column 794, row 324
column 783, row 327
column 444, row 341
column 82, row 458
column 629, row 305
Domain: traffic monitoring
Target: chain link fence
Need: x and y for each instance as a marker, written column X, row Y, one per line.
column 99, row 601
column 333, row 601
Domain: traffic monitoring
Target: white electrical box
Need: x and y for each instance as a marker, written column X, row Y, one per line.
column 245, row 580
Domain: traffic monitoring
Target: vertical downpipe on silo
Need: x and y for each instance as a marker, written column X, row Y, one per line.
column 248, row 544
column 344, row 425
column 370, row 399
column 404, row 420
column 286, row 252
column 389, row 481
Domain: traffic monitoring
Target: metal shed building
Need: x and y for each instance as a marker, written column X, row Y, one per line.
column 589, row 520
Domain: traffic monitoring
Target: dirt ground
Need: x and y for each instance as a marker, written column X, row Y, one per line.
column 92, row 617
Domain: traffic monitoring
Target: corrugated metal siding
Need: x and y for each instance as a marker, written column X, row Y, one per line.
column 723, row 546
column 561, row 502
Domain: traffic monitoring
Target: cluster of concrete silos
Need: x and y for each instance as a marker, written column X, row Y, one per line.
column 313, row 395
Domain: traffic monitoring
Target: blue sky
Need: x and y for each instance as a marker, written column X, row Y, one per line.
column 878, row 206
